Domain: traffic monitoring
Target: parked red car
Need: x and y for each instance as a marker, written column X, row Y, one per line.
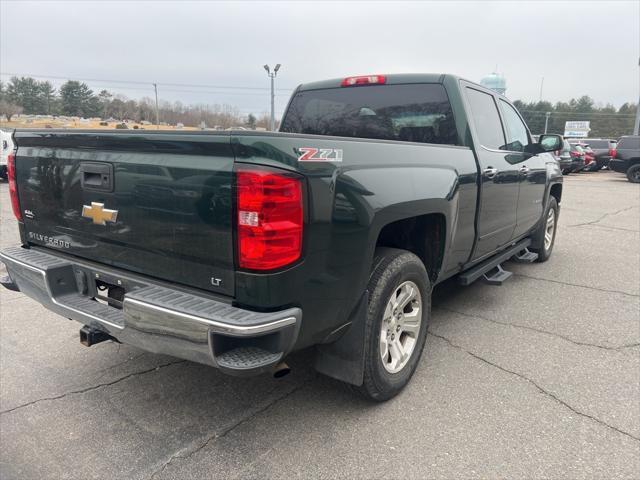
column 589, row 156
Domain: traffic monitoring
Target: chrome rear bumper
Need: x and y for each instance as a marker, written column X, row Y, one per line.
column 155, row 317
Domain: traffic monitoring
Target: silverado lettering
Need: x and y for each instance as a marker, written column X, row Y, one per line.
column 49, row 240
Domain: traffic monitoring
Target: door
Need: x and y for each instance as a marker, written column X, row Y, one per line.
column 499, row 179
column 532, row 170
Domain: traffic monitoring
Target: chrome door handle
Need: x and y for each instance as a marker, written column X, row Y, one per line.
column 490, row 172
column 524, row 169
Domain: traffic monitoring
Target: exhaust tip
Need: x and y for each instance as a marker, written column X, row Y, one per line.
column 281, row 370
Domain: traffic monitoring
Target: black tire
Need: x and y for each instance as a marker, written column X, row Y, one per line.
column 3, row 172
column 391, row 268
column 543, row 251
column 633, row 173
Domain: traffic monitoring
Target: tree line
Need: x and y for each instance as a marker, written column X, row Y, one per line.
column 75, row 99
column 30, row 96
column 605, row 121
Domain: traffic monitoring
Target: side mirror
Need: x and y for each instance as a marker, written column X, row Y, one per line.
column 550, row 143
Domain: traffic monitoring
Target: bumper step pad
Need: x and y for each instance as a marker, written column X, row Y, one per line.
column 247, row 358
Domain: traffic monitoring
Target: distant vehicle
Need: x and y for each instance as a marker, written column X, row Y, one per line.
column 563, row 156
column 6, row 146
column 626, row 157
column 589, row 158
column 602, row 148
column 577, row 158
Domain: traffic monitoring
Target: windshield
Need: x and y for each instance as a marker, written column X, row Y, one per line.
column 411, row 113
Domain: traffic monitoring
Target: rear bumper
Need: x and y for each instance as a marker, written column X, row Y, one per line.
column 577, row 165
column 565, row 163
column 155, row 317
column 619, row 166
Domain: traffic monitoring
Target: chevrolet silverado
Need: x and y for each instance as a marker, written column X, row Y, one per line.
column 234, row 249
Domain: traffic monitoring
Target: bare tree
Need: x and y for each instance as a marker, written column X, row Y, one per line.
column 9, row 109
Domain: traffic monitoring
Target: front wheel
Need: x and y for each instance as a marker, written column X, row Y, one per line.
column 397, row 318
column 547, row 231
column 633, row 174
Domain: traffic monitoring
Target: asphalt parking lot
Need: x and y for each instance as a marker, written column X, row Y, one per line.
column 539, row 378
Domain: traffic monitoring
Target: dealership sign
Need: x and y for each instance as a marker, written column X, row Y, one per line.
column 576, row 129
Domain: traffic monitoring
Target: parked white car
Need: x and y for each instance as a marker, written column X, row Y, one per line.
column 6, row 146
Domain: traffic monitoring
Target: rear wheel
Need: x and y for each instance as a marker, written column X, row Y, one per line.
column 397, row 320
column 547, row 231
column 633, row 174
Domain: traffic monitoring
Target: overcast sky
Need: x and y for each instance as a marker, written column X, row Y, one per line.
column 579, row 47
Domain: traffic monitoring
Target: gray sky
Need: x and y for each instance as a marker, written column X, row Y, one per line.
column 580, row 47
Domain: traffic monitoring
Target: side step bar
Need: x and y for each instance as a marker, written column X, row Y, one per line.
column 497, row 276
column 525, row 256
column 483, row 268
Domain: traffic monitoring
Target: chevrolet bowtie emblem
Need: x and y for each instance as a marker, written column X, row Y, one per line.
column 99, row 214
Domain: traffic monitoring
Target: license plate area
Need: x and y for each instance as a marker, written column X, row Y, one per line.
column 109, row 294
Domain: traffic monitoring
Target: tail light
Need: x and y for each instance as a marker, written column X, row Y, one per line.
column 612, row 152
column 574, row 154
column 13, row 187
column 364, row 80
column 270, row 224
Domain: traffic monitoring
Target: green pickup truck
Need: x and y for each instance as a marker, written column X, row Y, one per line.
column 234, row 249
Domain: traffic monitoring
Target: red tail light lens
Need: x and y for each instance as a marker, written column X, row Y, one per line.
column 13, row 188
column 269, row 218
column 612, row 152
column 364, row 80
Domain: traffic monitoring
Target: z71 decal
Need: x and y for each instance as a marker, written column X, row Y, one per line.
column 310, row 154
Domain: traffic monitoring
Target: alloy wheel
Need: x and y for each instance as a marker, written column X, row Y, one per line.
column 400, row 326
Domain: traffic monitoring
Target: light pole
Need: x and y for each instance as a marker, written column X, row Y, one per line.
column 636, row 126
column 155, row 87
column 546, row 121
column 272, row 76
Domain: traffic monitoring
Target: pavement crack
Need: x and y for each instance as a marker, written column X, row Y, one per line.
column 94, row 387
column 538, row 387
column 537, row 330
column 225, row 431
column 607, row 227
column 606, row 290
column 602, row 217
column 105, row 370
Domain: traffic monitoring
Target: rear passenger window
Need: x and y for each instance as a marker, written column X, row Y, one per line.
column 517, row 134
column 486, row 119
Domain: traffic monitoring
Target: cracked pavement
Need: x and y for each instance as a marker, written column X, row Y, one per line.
column 539, row 378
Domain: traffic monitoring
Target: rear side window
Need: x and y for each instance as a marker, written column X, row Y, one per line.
column 516, row 131
column 411, row 113
column 486, row 119
column 629, row 143
column 598, row 143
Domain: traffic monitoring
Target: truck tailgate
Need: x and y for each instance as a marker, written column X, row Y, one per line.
column 152, row 203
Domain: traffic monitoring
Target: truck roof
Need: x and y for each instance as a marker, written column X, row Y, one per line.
column 394, row 78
